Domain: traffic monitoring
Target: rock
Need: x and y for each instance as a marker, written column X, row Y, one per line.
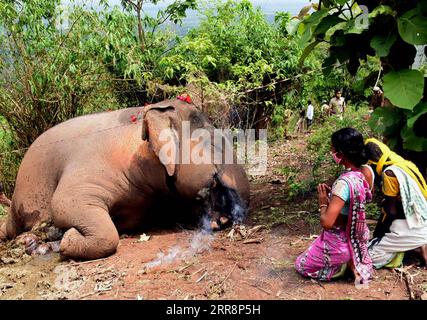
column 43, row 284
column 8, row 260
column 424, row 296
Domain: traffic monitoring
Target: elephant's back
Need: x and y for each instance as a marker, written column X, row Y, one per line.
column 84, row 127
column 75, row 141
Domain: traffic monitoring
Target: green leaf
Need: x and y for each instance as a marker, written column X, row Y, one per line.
column 337, row 27
column 352, row 28
column 309, row 24
column 382, row 44
column 307, row 51
column 418, row 111
column 292, row 26
column 385, row 121
column 412, row 27
column 327, row 23
column 412, row 141
column 338, row 39
column 382, row 10
column 404, row 88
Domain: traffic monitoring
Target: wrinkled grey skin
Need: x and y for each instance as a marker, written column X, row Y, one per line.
column 97, row 175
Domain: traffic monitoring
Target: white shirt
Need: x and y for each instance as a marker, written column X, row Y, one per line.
column 310, row 112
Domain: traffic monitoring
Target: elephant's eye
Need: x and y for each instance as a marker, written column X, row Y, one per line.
column 196, row 121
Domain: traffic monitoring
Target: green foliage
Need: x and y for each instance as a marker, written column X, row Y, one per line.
column 382, row 44
column 390, row 34
column 235, row 43
column 236, row 55
column 383, row 121
column 48, row 72
column 58, row 62
column 404, row 88
column 9, row 160
column 373, row 210
column 319, row 143
column 412, row 26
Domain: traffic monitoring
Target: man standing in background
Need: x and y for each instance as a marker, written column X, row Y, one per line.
column 310, row 114
column 377, row 99
column 337, row 104
column 299, row 128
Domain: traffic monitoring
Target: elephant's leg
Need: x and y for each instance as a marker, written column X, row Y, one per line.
column 91, row 233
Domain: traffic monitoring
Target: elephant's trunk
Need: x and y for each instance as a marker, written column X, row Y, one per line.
column 224, row 205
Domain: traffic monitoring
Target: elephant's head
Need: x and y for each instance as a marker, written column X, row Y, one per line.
column 191, row 172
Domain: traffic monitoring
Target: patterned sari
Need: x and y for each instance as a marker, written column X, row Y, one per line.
column 335, row 247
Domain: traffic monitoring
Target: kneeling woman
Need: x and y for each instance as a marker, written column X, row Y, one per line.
column 345, row 235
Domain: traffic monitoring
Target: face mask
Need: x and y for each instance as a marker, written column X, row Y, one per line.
column 336, row 158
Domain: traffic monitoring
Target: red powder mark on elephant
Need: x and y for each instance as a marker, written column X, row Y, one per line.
column 185, row 97
column 133, row 118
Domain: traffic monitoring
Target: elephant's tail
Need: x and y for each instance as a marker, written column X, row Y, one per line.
column 8, row 228
column 4, row 200
column 8, row 223
column 3, row 234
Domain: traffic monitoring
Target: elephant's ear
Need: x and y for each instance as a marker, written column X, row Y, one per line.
column 158, row 130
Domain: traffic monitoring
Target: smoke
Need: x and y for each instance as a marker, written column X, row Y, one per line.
column 224, row 200
column 200, row 242
column 238, row 213
column 164, row 259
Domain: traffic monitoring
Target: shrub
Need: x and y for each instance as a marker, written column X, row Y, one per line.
column 319, row 143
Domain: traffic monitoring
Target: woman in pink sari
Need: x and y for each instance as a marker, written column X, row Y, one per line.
column 344, row 238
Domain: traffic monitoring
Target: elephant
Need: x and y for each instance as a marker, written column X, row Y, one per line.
column 95, row 176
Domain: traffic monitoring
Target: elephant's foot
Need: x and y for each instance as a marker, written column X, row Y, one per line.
column 220, row 223
column 33, row 247
column 76, row 246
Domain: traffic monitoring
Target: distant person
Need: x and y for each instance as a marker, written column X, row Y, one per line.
column 287, row 118
column 324, row 109
column 310, row 114
column 300, row 123
column 377, row 99
column 337, row 104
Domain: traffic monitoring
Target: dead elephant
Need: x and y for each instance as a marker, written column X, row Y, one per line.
column 97, row 175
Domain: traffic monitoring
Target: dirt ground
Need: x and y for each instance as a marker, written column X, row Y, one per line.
column 253, row 262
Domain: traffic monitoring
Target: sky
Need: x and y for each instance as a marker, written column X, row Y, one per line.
column 269, row 7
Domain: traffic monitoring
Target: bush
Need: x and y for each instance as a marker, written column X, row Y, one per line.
column 319, row 143
column 9, row 161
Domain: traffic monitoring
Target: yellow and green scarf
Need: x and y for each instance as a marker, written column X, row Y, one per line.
column 391, row 158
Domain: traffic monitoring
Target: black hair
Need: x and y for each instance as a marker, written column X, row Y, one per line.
column 349, row 142
column 309, row 101
column 373, row 152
